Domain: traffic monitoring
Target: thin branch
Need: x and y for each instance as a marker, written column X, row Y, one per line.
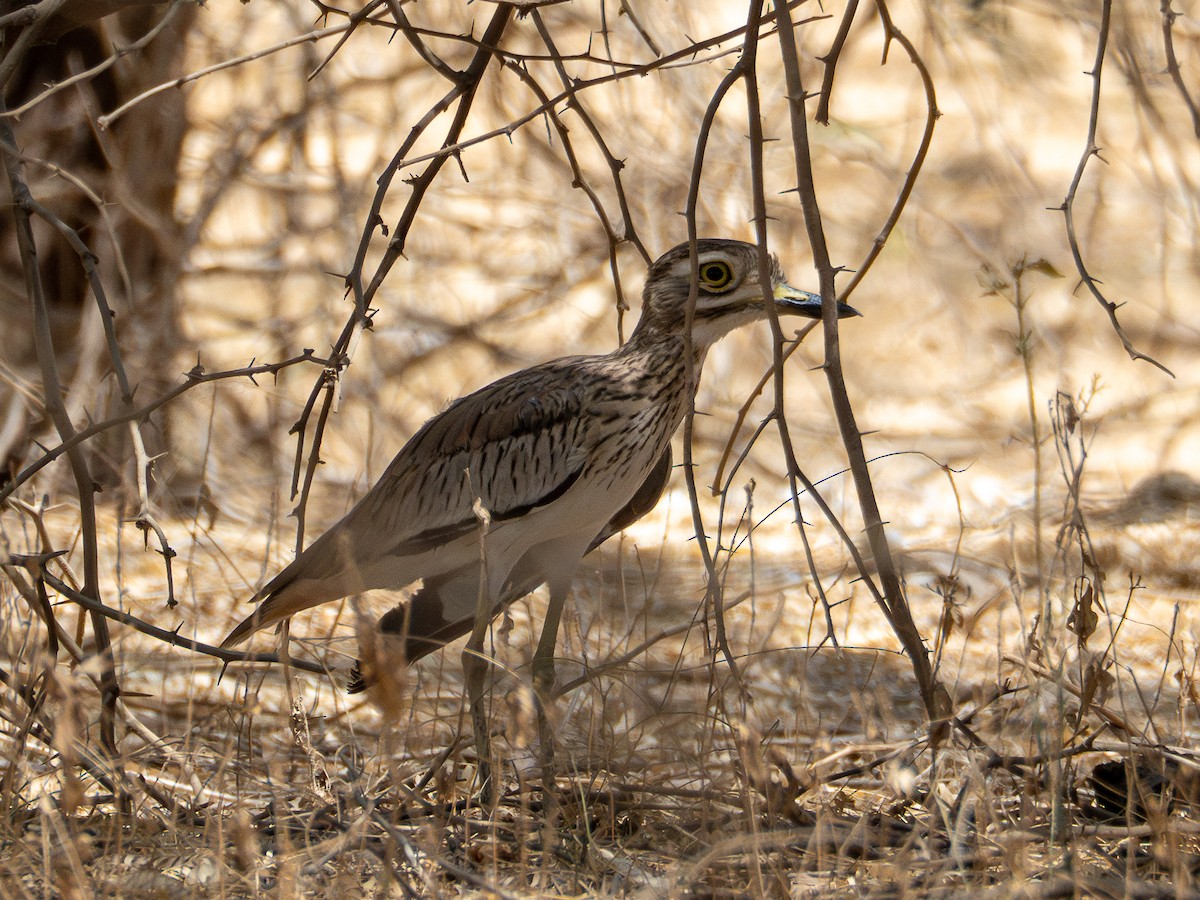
column 311, row 37
column 1068, row 205
column 778, row 356
column 578, row 180
column 739, row 420
column 830, row 60
column 891, row 33
column 411, row 35
column 714, row 592
column 52, row 398
column 1168, row 21
column 172, row 637
column 195, row 377
column 353, row 21
column 629, row 230
column 314, row 457
column 894, row 603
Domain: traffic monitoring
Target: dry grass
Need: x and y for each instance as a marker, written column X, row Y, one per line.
column 1071, row 766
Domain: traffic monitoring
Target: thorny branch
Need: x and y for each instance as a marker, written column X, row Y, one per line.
column 778, row 408
column 893, row 602
column 578, row 180
column 194, row 378
column 830, row 61
column 1068, row 205
column 714, row 595
column 24, row 208
column 1168, row 24
column 628, row 229
column 891, row 33
column 168, row 636
column 107, row 120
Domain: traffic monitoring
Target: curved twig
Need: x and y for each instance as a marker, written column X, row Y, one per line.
column 892, row 33
column 1068, row 205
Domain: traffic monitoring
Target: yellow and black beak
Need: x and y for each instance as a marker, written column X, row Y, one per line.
column 795, row 302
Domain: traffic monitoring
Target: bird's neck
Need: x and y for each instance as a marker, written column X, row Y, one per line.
column 666, row 352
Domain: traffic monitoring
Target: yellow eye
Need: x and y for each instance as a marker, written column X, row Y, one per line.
column 715, row 275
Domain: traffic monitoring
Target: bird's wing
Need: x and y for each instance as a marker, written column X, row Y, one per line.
column 644, row 500
column 515, row 445
column 436, row 614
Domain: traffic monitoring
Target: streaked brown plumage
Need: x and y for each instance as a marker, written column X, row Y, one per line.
column 420, row 621
column 561, row 455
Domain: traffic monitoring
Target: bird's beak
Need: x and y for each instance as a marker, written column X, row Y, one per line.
column 795, row 302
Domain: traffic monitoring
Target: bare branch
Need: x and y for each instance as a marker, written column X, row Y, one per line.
column 194, row 378
column 23, row 210
column 1068, row 205
column 830, row 60
column 910, row 179
column 1168, row 22
column 106, row 120
column 172, row 637
column 894, row 603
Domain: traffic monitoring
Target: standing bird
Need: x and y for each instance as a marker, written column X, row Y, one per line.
column 510, row 486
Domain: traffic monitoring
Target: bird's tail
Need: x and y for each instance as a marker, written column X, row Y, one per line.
column 328, row 570
column 273, row 610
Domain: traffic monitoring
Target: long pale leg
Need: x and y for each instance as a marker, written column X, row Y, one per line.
column 544, row 676
column 543, row 658
column 475, row 667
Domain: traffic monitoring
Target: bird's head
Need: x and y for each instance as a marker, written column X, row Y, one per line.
column 729, row 292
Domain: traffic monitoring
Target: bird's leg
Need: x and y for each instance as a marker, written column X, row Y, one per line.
column 543, row 684
column 475, row 668
column 543, row 657
column 475, row 663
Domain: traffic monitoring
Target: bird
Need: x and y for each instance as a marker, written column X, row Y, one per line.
column 510, row 486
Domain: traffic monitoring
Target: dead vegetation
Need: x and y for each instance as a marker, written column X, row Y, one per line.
column 991, row 691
